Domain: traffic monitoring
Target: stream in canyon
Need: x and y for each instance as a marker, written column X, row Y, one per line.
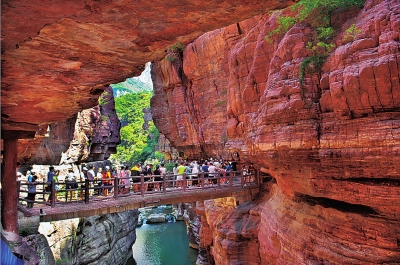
column 162, row 244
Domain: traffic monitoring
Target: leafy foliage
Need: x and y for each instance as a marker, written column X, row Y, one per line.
column 351, row 32
column 137, row 144
column 311, row 64
column 318, row 14
column 320, row 10
column 284, row 24
column 174, row 52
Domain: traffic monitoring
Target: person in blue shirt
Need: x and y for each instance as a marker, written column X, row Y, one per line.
column 50, row 179
column 31, row 189
column 7, row 257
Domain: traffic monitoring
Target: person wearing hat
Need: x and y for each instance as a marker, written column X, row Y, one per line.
column 106, row 180
column 135, row 172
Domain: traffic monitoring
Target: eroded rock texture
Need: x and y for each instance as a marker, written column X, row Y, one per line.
column 58, row 56
column 96, row 133
column 331, row 145
column 229, row 234
column 47, row 146
column 92, row 135
column 105, row 239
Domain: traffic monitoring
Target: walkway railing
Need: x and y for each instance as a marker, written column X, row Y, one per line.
column 90, row 190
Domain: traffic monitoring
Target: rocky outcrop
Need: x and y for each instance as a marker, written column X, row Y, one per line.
column 165, row 147
column 92, row 135
column 229, row 234
column 107, row 238
column 193, row 224
column 58, row 58
column 279, row 230
column 96, row 134
column 22, row 250
column 48, row 145
column 156, row 218
column 331, row 144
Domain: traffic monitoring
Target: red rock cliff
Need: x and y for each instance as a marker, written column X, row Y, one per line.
column 71, row 50
column 331, row 146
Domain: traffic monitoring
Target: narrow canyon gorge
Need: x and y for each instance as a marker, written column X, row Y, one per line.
column 331, row 144
column 327, row 139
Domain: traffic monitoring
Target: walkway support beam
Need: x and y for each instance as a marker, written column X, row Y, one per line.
column 9, row 189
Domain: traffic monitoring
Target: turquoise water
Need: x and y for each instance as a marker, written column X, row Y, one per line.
column 162, row 244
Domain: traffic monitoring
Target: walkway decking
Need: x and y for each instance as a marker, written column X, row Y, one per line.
column 243, row 188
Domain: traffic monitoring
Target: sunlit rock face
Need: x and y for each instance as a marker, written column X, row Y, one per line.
column 96, row 134
column 58, row 57
column 331, row 145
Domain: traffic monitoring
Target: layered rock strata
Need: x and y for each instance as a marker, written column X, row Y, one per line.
column 105, row 239
column 48, row 145
column 58, row 57
column 68, row 52
column 330, row 144
column 92, row 135
column 96, row 134
column 193, row 224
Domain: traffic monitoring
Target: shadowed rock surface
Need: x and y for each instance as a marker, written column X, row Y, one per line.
column 105, row 239
column 331, row 145
column 58, row 56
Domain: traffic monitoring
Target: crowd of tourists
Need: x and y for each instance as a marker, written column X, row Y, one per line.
column 101, row 179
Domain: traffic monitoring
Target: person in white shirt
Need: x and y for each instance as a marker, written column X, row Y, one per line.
column 91, row 175
column 163, row 169
column 99, row 176
column 211, row 170
column 195, row 172
column 175, row 171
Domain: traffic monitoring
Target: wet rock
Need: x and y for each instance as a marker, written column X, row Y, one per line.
column 156, row 218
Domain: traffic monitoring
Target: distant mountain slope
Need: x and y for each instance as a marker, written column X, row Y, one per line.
column 138, row 84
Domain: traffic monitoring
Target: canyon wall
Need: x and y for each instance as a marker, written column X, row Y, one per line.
column 92, row 135
column 105, row 239
column 58, row 57
column 331, row 144
column 96, row 133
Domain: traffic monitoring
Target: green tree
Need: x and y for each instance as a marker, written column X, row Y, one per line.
column 137, row 143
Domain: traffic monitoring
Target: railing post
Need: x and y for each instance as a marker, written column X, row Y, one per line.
column 184, row 181
column 86, row 191
column 218, row 180
column 116, row 188
column 43, row 191
column 19, row 189
column 231, row 177
column 202, row 180
column 142, row 185
column 53, row 194
column 257, row 177
column 164, row 183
